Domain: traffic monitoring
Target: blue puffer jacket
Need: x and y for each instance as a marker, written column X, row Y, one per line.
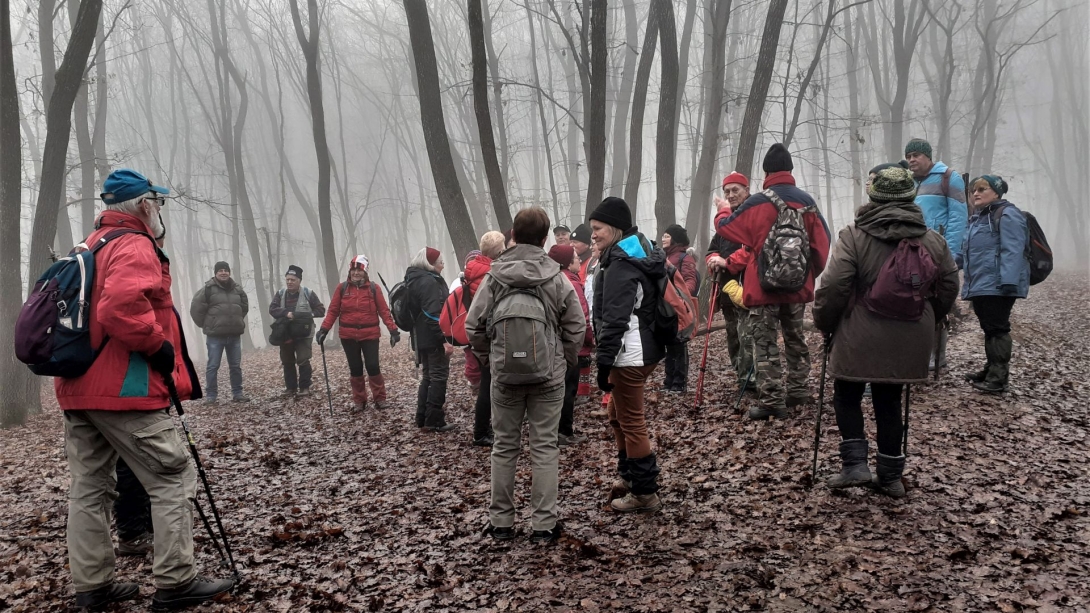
column 993, row 254
column 944, row 213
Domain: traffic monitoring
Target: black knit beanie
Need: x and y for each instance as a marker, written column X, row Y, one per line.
column 222, row 266
column 678, row 235
column 614, row 212
column 778, row 159
column 294, row 270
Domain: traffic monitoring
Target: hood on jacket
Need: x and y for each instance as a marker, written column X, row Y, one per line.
column 524, row 266
column 653, row 264
column 891, row 221
column 475, row 271
column 415, row 274
column 213, row 282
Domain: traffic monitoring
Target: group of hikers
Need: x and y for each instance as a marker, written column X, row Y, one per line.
column 536, row 327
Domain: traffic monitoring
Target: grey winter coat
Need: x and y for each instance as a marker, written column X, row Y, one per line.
column 530, row 266
column 220, row 310
column 867, row 346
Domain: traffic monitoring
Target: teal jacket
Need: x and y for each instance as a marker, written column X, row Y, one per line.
column 945, row 213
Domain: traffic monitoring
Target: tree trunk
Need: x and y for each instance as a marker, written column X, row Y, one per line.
column 58, row 130
column 855, row 138
column 321, row 145
column 84, row 147
column 639, row 103
column 755, row 105
column 595, row 128
column 497, row 97
column 666, row 146
column 624, row 98
column 541, row 112
column 698, row 219
column 435, row 130
column 496, row 184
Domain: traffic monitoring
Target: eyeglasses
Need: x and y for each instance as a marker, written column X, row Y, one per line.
column 159, row 201
column 981, row 189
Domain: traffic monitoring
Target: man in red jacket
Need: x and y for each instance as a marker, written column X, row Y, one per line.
column 119, row 408
column 750, row 224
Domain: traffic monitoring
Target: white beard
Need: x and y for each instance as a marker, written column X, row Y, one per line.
column 156, row 225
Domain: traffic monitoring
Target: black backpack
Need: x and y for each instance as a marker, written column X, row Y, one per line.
column 1038, row 253
column 401, row 308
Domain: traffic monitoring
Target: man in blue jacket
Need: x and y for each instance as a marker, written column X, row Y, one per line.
column 940, row 194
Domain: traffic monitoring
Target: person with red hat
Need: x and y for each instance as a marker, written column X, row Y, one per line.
column 426, row 293
column 361, row 309
column 564, row 255
column 720, row 251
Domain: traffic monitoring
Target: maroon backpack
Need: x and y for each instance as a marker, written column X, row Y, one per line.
column 905, row 282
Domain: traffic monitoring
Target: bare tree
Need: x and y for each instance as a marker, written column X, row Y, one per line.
column 758, row 91
column 496, row 183
column 666, row 150
column 892, row 96
column 624, row 98
column 639, row 103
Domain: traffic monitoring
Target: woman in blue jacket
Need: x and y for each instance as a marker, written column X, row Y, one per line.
column 993, row 258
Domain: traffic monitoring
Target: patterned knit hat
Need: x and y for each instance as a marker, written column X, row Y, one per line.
column 918, row 145
column 360, row 261
column 892, row 185
column 995, row 182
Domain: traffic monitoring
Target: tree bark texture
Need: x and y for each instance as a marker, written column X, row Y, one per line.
column 639, row 104
column 496, row 187
column 666, row 136
column 758, row 91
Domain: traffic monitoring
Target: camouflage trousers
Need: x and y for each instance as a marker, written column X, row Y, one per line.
column 764, row 322
column 739, row 343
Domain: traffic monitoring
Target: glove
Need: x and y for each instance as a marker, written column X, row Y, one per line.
column 162, row 361
column 734, row 291
column 395, row 337
column 320, row 336
column 603, row 378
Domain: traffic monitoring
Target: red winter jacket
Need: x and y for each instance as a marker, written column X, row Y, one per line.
column 751, row 222
column 130, row 304
column 453, row 317
column 360, row 309
column 687, row 267
column 588, row 340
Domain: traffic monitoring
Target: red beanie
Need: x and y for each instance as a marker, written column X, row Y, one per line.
column 562, row 254
column 736, row 177
column 432, row 254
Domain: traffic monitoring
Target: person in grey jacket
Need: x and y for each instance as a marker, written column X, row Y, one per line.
column 219, row 309
column 526, row 268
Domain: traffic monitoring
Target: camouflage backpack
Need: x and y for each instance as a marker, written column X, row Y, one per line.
column 784, row 261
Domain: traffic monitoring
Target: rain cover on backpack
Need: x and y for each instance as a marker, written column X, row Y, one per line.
column 783, row 264
column 523, row 343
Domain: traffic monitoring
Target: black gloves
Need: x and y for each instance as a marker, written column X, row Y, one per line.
column 320, row 336
column 395, row 337
column 603, row 378
column 162, row 361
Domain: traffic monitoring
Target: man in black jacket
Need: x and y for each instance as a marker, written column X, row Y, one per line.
column 427, row 293
column 735, row 192
column 301, row 306
column 219, row 309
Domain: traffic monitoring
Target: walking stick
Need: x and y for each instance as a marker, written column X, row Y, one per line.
column 904, row 440
column 325, row 371
column 821, row 405
column 745, row 384
column 707, row 338
column 228, row 558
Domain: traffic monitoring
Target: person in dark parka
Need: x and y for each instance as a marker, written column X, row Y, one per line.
column 427, row 293
column 871, row 348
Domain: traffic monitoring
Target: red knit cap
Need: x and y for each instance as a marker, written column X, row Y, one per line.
column 562, row 254
column 736, row 177
column 432, row 254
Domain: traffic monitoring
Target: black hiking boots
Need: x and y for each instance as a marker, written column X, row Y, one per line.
column 97, row 600
column 199, row 590
column 853, row 455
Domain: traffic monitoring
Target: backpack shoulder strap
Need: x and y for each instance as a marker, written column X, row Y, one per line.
column 207, row 292
column 775, row 198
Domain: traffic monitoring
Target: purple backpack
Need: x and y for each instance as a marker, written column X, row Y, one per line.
column 905, row 282
column 53, row 331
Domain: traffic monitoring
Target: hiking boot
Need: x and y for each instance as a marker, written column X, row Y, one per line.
column 622, row 484
column 240, row 398
column 382, row 405
column 484, row 441
column 443, row 428
column 96, row 600
column 358, row 407
column 991, row 387
column 500, row 534
column 200, row 589
column 798, row 401
column 138, row 546
column 304, row 392
column 574, row 439
column 977, row 376
column 288, row 393
column 544, row 537
column 853, row 456
column 210, row 400
column 763, row 413
column 887, row 476
column 637, row 503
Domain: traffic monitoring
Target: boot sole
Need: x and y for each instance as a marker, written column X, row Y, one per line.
column 184, row 603
column 853, row 483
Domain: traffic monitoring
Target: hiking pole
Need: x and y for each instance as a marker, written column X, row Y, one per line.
column 904, row 440
column 707, row 338
column 745, row 384
column 229, row 558
column 821, row 405
column 325, row 372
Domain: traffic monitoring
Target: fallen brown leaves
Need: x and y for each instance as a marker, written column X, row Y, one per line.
column 365, row 513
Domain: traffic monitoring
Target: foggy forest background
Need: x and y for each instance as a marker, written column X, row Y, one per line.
column 305, row 132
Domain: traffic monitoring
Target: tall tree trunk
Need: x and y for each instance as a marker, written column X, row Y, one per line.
column 310, row 47
column 541, row 112
column 624, row 98
column 58, row 130
column 102, row 163
column 85, row 148
column 595, row 128
column 435, row 130
column 639, row 103
column 497, row 97
column 855, row 138
column 698, row 219
column 666, row 145
column 755, row 105
column 496, row 183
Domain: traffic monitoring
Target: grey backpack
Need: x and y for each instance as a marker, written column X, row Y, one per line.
column 784, row 261
column 523, row 339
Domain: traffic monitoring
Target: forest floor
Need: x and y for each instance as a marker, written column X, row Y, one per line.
column 366, row 513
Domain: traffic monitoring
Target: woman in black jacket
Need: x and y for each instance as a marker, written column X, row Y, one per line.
column 427, row 292
column 625, row 297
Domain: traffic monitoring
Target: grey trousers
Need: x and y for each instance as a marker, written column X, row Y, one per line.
column 153, row 450
column 541, row 409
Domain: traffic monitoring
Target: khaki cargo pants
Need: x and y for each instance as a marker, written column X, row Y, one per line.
column 150, row 445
